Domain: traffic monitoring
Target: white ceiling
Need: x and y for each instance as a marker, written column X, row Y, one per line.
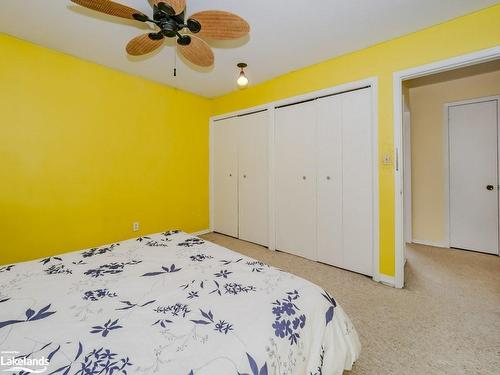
column 286, row 34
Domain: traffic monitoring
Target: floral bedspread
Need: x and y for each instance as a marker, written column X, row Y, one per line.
column 168, row 303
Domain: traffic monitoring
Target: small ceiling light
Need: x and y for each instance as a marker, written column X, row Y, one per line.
column 242, row 79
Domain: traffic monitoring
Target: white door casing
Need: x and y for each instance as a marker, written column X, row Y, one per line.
column 407, row 176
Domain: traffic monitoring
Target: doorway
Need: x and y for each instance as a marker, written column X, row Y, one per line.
column 438, row 178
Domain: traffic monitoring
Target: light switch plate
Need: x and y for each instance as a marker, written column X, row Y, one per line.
column 387, row 160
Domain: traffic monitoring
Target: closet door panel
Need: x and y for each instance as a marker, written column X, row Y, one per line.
column 357, row 181
column 295, row 175
column 253, row 177
column 329, row 180
column 225, row 162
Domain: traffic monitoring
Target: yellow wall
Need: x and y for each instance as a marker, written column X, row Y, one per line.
column 463, row 35
column 86, row 150
column 427, row 131
column 75, row 175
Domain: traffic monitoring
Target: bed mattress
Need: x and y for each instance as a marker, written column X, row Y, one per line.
column 168, row 303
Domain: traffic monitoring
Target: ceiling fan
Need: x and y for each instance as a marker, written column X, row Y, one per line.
column 169, row 18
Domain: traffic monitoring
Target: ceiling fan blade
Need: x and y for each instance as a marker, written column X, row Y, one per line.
column 144, row 44
column 217, row 24
column 178, row 5
column 198, row 52
column 112, row 8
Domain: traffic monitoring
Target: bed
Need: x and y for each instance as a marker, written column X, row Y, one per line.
column 168, row 303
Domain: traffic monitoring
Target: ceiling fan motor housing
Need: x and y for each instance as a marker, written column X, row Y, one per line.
column 170, row 24
column 169, row 28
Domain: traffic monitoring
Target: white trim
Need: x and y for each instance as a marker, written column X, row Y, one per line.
column 387, row 280
column 211, row 174
column 430, row 243
column 211, row 177
column 446, row 125
column 399, row 243
column 481, row 99
column 398, row 78
column 201, row 232
column 372, row 83
column 375, row 181
column 407, row 173
column 271, row 230
column 446, row 179
column 295, row 99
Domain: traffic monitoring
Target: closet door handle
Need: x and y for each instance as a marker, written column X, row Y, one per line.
column 328, row 178
column 244, row 176
column 304, row 177
column 230, row 175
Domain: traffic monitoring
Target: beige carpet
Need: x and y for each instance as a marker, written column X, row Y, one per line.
column 446, row 320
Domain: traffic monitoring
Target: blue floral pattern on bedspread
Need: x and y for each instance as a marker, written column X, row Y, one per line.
column 169, row 303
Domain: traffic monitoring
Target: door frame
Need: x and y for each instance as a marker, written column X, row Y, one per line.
column 446, row 157
column 371, row 83
column 407, row 176
column 474, row 58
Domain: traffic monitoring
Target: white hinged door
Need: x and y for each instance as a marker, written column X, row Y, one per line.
column 473, row 153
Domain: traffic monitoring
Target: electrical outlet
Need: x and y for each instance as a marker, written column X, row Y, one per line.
column 135, row 226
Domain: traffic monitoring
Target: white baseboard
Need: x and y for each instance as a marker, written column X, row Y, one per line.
column 387, row 280
column 201, row 232
column 430, row 243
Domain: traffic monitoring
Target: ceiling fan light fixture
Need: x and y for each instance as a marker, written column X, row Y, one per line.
column 242, row 80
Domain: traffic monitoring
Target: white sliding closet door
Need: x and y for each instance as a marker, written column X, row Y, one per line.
column 357, row 181
column 295, row 166
column 225, row 174
column 253, row 177
column 330, row 238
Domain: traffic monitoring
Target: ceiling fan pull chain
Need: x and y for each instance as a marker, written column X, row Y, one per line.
column 175, row 62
